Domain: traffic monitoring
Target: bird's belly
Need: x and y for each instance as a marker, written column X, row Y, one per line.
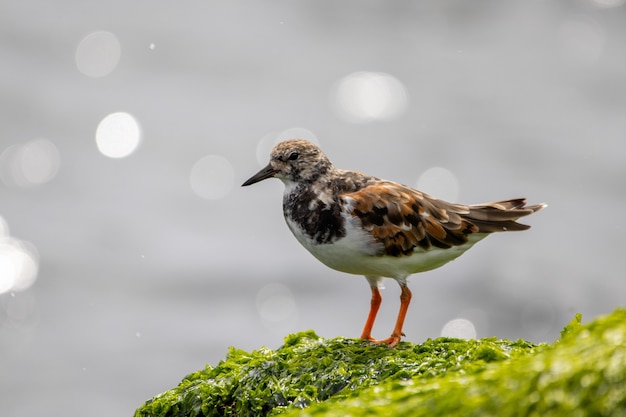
column 357, row 253
column 345, row 259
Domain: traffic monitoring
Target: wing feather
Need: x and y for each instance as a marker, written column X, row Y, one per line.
column 403, row 219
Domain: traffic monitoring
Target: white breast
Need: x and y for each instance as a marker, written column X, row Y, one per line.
column 358, row 253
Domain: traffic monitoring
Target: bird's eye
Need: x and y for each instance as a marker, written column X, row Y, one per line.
column 293, row 156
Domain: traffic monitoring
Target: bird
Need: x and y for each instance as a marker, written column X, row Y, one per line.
column 363, row 225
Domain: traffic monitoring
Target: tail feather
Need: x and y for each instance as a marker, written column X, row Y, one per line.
column 501, row 216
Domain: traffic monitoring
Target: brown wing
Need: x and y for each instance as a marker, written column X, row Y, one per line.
column 402, row 218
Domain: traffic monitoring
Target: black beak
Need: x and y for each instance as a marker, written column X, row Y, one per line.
column 263, row 174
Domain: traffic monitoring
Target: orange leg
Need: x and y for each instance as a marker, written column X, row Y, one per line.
column 371, row 317
column 394, row 339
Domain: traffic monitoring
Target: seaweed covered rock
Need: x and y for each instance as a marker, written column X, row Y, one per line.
column 584, row 373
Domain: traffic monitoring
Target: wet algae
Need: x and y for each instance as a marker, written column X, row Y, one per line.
column 581, row 374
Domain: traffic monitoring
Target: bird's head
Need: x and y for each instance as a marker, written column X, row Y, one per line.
column 294, row 161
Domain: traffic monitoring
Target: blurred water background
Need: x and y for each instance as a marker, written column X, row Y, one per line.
column 130, row 256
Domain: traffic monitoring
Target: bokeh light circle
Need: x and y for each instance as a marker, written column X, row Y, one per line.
column 40, row 161
column 276, row 306
column 607, row 4
column 439, row 182
column 98, row 54
column 19, row 265
column 369, row 96
column 267, row 142
column 212, row 177
column 582, row 40
column 459, row 328
column 118, row 135
column 33, row 163
column 4, row 228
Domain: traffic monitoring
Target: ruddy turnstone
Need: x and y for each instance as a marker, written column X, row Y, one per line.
column 363, row 225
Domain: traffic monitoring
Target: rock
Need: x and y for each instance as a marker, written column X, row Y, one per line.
column 582, row 374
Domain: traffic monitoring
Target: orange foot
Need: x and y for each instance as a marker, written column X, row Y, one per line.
column 391, row 341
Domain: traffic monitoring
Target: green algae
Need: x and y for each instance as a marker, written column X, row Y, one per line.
column 583, row 373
